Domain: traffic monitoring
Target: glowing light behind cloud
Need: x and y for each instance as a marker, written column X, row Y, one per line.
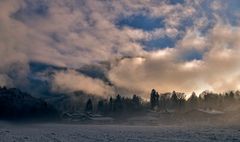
column 184, row 46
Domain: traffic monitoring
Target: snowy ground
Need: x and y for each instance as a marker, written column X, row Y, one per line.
column 115, row 133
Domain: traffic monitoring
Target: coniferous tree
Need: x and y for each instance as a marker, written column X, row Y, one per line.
column 100, row 106
column 110, row 104
column 181, row 103
column 154, row 99
column 193, row 101
column 135, row 102
column 174, row 99
column 118, row 105
column 89, row 106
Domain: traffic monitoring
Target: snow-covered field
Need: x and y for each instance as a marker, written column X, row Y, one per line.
column 115, row 133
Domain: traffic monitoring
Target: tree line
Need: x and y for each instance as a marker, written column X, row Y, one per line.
column 165, row 102
column 117, row 104
column 18, row 105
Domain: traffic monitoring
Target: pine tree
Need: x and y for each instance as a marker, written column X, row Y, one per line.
column 174, row 99
column 154, row 99
column 118, row 105
column 110, row 104
column 135, row 102
column 89, row 106
column 193, row 101
column 100, row 106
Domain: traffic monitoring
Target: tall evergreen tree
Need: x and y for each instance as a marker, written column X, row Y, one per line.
column 100, row 106
column 118, row 103
column 174, row 99
column 89, row 106
column 110, row 104
column 135, row 102
column 154, row 99
column 193, row 101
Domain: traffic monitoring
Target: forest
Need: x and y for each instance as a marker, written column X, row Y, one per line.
column 17, row 104
column 164, row 102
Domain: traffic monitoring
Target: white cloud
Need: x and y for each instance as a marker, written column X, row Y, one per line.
column 70, row 81
column 193, row 40
column 217, row 71
column 74, row 33
column 216, row 5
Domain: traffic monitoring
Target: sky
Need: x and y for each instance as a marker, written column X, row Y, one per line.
column 106, row 47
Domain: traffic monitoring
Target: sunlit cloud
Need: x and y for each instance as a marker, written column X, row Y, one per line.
column 201, row 52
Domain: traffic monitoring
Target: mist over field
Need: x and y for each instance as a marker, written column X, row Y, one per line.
column 126, row 70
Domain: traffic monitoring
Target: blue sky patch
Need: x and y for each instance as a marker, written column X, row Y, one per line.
column 165, row 42
column 176, row 1
column 192, row 55
column 232, row 11
column 141, row 22
column 32, row 10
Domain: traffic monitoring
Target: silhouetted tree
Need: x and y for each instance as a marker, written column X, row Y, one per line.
column 211, row 100
column 193, row 101
column 118, row 105
column 174, row 99
column 89, row 106
column 100, row 106
column 181, row 102
column 136, row 102
column 154, row 99
column 110, row 104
